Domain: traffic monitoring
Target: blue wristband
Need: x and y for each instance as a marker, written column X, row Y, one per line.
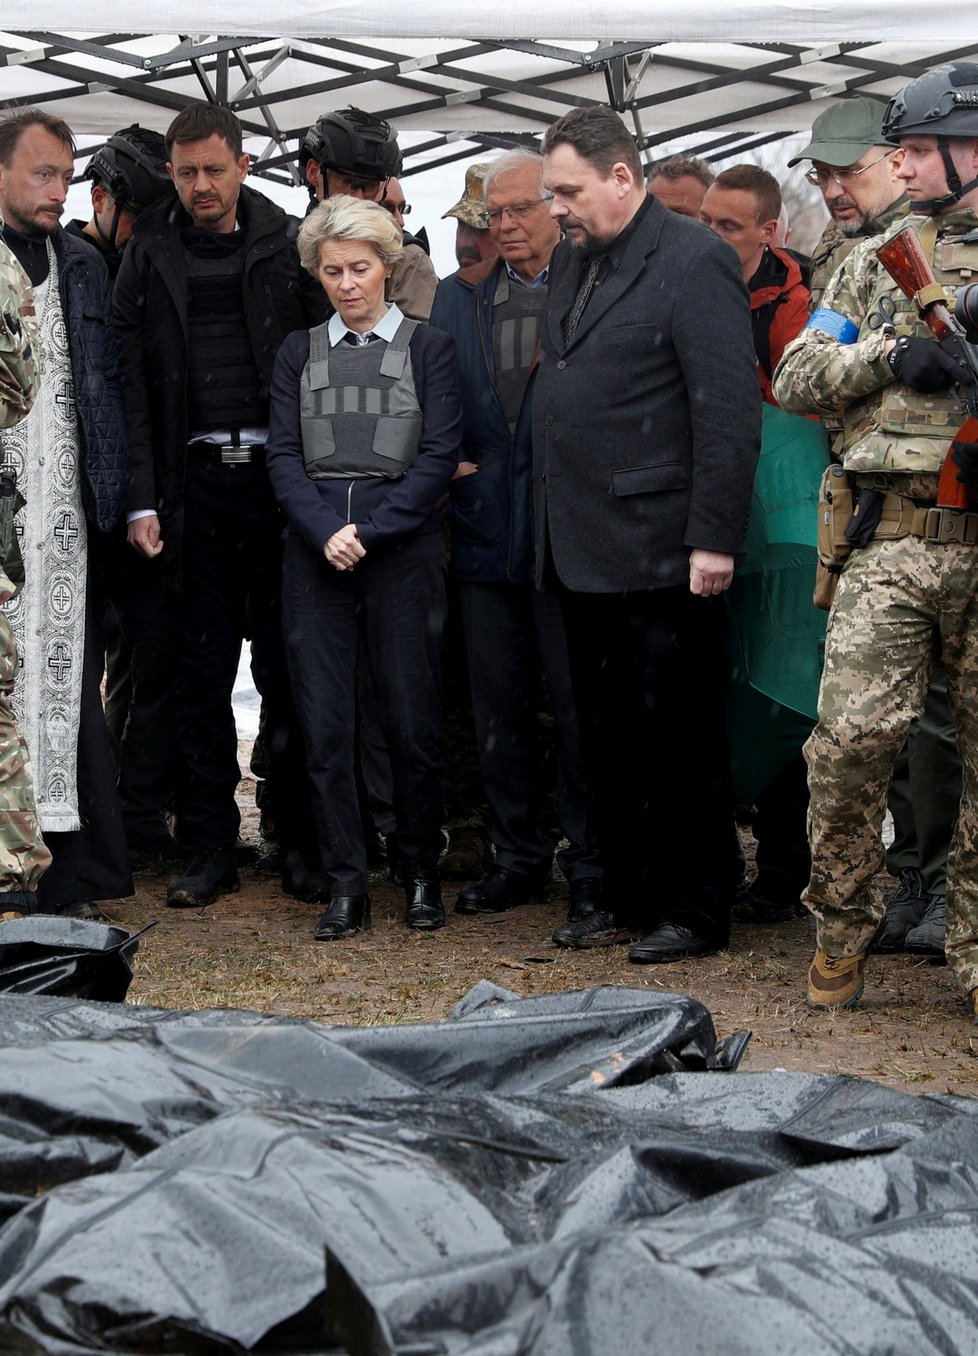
column 835, row 324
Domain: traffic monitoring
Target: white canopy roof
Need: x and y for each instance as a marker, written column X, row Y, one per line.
column 730, row 76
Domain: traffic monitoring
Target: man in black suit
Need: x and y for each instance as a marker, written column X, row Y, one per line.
column 646, row 433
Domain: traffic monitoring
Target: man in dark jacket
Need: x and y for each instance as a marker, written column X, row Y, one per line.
column 494, row 312
column 208, row 290
column 69, row 456
column 646, row 424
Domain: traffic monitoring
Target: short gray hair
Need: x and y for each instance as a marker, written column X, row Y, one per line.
column 508, row 163
column 344, row 218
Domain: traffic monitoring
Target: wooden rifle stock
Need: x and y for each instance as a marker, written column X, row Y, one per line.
column 907, row 265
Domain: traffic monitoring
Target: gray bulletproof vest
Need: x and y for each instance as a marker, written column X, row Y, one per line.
column 516, row 315
column 358, row 407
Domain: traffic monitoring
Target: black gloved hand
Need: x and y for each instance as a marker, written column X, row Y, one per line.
column 927, row 366
column 965, row 458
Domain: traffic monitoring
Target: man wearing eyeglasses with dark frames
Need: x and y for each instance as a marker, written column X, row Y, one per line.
column 494, row 311
column 856, row 173
column 852, row 167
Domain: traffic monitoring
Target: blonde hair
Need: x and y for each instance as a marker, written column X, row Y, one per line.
column 344, row 218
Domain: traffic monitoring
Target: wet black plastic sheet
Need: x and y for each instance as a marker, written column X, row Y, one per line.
column 44, row 954
column 217, row 1182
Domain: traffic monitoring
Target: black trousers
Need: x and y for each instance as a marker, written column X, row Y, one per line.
column 513, row 634
column 393, row 606
column 231, row 588
column 91, row 862
column 649, row 672
column 139, row 678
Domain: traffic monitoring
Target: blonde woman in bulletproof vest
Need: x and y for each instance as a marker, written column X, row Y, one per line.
column 365, row 434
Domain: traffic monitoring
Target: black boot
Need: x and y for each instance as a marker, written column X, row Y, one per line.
column 424, row 907
column 212, row 872
column 346, row 916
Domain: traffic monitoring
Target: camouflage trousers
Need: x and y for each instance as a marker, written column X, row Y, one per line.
column 23, row 855
column 896, row 600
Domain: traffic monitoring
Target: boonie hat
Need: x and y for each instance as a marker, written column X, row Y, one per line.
column 845, row 132
column 470, row 207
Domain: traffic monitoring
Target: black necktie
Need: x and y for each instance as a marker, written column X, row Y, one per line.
column 581, row 300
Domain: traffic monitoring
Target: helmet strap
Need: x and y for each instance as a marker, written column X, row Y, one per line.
column 934, row 206
column 109, row 240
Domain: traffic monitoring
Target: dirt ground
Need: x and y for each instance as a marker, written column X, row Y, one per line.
column 255, row 950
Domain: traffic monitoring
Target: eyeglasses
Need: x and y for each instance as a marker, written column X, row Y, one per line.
column 820, row 175
column 494, row 215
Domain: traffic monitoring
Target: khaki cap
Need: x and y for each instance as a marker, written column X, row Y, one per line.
column 471, row 207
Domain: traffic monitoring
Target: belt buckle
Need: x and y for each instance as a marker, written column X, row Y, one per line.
column 235, row 454
column 951, row 525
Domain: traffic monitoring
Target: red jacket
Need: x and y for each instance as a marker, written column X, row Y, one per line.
column 779, row 311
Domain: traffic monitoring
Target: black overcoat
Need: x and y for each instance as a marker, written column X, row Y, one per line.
column 647, row 426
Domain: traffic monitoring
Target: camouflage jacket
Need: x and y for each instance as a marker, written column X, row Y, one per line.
column 19, row 375
column 18, row 340
column 837, row 365
column 834, row 247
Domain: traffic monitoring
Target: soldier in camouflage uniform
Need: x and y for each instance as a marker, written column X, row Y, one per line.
column 852, row 167
column 909, row 590
column 23, row 856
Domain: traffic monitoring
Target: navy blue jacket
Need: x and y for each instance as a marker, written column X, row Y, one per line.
column 492, row 509
column 383, row 510
column 86, row 298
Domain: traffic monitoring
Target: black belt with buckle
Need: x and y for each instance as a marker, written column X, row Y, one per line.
column 231, row 454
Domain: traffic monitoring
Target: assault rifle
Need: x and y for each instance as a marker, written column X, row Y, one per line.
column 907, row 265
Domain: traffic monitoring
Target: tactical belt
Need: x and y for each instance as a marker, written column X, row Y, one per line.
column 903, row 517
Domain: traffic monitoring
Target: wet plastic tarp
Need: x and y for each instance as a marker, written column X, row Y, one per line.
column 43, row 954
column 562, row 1174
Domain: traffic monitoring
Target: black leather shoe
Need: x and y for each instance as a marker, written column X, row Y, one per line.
column 597, row 928
column 671, row 942
column 424, row 907
column 501, row 889
column 905, row 908
column 210, row 874
column 586, row 896
column 346, row 916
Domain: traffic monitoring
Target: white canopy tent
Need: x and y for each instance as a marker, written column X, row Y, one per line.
column 727, row 76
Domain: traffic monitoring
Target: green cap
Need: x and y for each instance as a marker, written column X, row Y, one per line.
column 845, row 132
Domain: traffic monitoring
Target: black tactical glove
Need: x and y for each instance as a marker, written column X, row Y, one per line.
column 965, row 458
column 927, row 366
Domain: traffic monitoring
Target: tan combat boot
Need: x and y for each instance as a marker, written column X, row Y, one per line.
column 835, row 982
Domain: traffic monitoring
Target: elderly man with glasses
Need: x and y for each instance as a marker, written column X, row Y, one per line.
column 852, row 167
column 513, row 632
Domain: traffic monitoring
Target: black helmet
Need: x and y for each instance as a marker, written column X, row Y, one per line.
column 353, row 141
column 942, row 102
column 132, row 167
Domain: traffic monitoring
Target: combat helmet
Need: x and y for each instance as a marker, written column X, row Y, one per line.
column 353, row 141
column 941, row 103
column 132, row 167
